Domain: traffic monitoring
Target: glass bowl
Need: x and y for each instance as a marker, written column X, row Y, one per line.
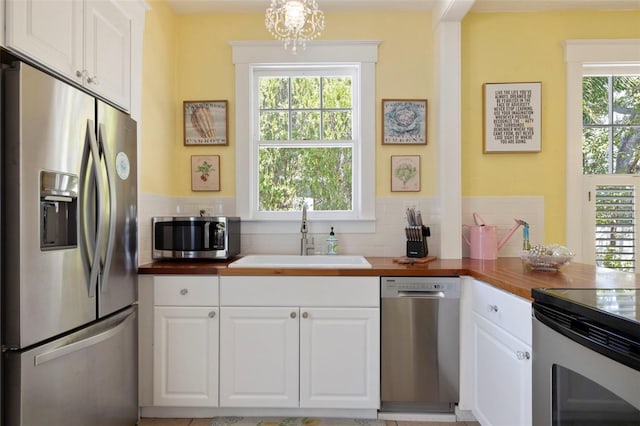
column 546, row 258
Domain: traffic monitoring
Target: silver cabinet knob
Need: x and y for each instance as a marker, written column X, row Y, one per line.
column 522, row 355
column 305, row 315
column 493, row 308
column 79, row 73
column 93, row 80
column 212, row 314
column 292, row 315
column 184, row 291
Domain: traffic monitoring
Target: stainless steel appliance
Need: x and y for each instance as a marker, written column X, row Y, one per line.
column 70, row 255
column 195, row 237
column 586, row 357
column 420, row 344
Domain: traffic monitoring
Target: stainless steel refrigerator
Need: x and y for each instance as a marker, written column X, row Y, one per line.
column 69, row 258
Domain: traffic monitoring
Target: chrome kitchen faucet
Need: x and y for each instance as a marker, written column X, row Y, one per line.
column 305, row 246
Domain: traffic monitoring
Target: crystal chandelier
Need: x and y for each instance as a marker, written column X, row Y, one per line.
column 294, row 21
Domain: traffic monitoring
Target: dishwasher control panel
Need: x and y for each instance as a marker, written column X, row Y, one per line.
column 446, row 287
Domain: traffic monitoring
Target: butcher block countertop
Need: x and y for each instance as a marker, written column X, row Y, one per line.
column 505, row 273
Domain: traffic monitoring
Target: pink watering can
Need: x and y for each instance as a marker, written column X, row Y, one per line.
column 483, row 239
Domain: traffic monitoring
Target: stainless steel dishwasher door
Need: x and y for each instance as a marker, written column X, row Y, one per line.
column 420, row 343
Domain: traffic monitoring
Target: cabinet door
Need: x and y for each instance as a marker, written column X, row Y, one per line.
column 340, row 358
column 108, row 51
column 49, row 32
column 502, row 376
column 185, row 356
column 259, row 357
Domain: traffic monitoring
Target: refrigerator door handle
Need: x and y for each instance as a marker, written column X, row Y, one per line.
column 84, row 343
column 95, row 153
column 111, row 199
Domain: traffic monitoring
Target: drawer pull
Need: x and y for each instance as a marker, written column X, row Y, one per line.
column 184, row 291
column 305, row 315
column 493, row 308
column 523, row 355
column 292, row 315
column 212, row 314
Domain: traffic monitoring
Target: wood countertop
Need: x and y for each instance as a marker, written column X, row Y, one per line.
column 505, row 273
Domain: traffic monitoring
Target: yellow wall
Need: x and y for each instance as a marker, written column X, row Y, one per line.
column 158, row 100
column 524, row 47
column 202, row 57
column 189, row 58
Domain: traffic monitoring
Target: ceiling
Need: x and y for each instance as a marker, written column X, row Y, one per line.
column 252, row 6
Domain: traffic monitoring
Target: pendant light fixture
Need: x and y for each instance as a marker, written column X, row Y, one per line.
column 294, row 21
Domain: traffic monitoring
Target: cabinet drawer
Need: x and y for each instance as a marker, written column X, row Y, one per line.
column 173, row 290
column 511, row 313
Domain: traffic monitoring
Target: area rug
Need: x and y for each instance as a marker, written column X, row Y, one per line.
column 292, row 421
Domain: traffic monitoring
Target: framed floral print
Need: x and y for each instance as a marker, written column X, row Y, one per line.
column 206, row 123
column 404, row 121
column 205, row 173
column 405, row 173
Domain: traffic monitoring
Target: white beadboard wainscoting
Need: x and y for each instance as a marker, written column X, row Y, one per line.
column 388, row 240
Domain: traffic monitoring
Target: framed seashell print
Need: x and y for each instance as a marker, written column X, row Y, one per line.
column 206, row 123
column 404, row 121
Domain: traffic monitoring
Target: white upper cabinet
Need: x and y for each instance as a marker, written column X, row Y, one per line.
column 107, row 54
column 88, row 42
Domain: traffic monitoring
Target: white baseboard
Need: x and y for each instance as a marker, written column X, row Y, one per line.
column 418, row 417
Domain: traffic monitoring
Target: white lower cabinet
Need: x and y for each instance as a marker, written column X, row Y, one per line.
column 259, row 357
column 325, row 357
column 298, row 355
column 185, row 341
column 185, row 356
column 501, row 353
column 339, row 350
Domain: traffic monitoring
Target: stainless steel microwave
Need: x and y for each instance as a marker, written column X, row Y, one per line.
column 195, row 237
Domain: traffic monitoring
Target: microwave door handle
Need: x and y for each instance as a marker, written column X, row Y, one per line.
column 111, row 200
column 206, row 245
column 95, row 153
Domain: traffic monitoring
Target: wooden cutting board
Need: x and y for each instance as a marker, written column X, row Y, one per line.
column 413, row 260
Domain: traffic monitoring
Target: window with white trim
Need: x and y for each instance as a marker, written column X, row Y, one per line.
column 305, row 131
column 601, row 130
column 305, row 143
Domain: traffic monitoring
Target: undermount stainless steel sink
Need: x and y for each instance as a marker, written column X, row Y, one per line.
column 297, row 261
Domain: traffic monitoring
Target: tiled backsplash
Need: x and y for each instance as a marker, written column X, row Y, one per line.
column 388, row 240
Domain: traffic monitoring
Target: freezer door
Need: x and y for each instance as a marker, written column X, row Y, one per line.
column 46, row 291
column 116, row 135
column 87, row 378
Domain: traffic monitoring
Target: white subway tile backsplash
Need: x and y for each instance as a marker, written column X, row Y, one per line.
column 388, row 240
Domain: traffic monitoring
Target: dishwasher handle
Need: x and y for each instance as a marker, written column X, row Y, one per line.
column 424, row 294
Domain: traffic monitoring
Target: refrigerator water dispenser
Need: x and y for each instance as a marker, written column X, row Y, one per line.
column 58, row 210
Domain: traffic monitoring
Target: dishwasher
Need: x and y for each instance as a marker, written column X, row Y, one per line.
column 420, row 344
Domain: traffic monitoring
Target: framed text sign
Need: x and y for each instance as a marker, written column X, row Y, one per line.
column 511, row 114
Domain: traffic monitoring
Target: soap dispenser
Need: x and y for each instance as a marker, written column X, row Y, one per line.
column 332, row 243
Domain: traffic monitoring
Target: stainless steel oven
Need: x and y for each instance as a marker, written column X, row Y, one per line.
column 586, row 357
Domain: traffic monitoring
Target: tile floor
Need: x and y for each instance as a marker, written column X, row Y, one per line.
column 206, row 422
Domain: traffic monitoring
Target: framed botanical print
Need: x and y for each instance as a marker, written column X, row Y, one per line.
column 405, row 173
column 404, row 121
column 205, row 173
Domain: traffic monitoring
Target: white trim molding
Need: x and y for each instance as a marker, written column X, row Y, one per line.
column 248, row 54
column 578, row 54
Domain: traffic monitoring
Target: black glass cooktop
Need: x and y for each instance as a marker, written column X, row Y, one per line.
column 607, row 320
column 624, row 303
